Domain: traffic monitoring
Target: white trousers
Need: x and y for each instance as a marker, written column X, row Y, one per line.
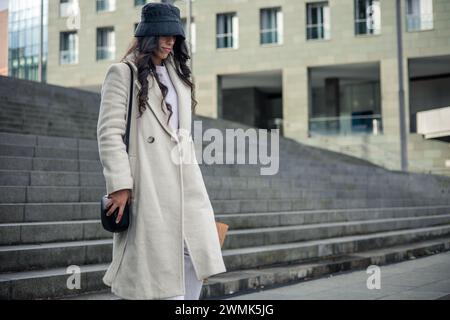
column 193, row 285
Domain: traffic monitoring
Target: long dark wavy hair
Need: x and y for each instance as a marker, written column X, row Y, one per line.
column 143, row 48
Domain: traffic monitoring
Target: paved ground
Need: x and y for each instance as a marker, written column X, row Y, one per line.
column 425, row 278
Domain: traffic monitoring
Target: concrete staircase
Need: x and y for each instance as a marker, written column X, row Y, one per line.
column 323, row 212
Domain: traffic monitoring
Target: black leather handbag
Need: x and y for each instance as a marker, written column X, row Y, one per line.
column 109, row 222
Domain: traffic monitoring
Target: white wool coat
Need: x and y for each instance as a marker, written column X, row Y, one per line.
column 169, row 198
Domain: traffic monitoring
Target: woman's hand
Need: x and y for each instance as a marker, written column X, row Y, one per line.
column 118, row 200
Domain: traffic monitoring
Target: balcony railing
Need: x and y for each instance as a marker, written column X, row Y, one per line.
column 346, row 125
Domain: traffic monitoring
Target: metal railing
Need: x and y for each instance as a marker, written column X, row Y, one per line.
column 346, row 125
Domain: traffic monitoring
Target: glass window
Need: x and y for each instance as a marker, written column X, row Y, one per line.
column 419, row 15
column 68, row 8
column 317, row 20
column 270, row 24
column 341, row 107
column 24, row 35
column 106, row 5
column 68, row 48
column 106, row 43
column 367, row 17
column 226, row 30
column 140, row 2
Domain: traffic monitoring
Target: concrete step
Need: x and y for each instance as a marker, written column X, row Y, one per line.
column 30, row 125
column 288, row 163
column 40, row 212
column 244, row 231
column 241, row 210
column 306, row 217
column 7, row 138
column 252, row 257
column 63, row 147
column 238, row 236
column 51, row 231
column 48, row 152
column 234, row 283
column 54, row 254
column 222, row 186
column 105, row 294
column 318, row 203
column 86, row 193
column 49, row 164
column 313, row 169
column 219, row 187
column 52, row 283
column 277, row 250
column 14, row 150
column 56, row 178
column 29, row 145
column 50, row 178
column 240, row 281
column 21, row 210
column 287, row 234
column 73, row 178
column 303, row 177
column 287, row 147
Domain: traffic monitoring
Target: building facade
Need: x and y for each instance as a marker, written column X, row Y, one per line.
column 324, row 72
column 3, row 40
column 87, row 36
column 27, row 19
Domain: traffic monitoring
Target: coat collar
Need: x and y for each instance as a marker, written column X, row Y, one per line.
column 155, row 97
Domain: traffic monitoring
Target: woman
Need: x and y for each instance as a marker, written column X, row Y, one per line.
column 171, row 244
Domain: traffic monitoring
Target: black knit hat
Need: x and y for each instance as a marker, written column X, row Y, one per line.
column 160, row 19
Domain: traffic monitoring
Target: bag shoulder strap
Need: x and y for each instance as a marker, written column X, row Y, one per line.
column 130, row 104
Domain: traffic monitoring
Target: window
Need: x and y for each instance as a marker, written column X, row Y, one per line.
column 317, row 20
column 271, row 25
column 106, row 43
column 419, row 15
column 226, row 30
column 68, row 47
column 367, row 17
column 106, row 5
column 24, row 39
column 68, row 8
column 342, row 107
column 140, row 2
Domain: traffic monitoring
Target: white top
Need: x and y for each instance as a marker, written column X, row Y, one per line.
column 171, row 97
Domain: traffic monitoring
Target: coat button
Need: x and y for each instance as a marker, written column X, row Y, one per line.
column 150, row 139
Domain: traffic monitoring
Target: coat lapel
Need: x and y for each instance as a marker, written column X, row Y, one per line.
column 155, row 96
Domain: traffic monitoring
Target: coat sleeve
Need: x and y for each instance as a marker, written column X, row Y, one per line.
column 111, row 128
